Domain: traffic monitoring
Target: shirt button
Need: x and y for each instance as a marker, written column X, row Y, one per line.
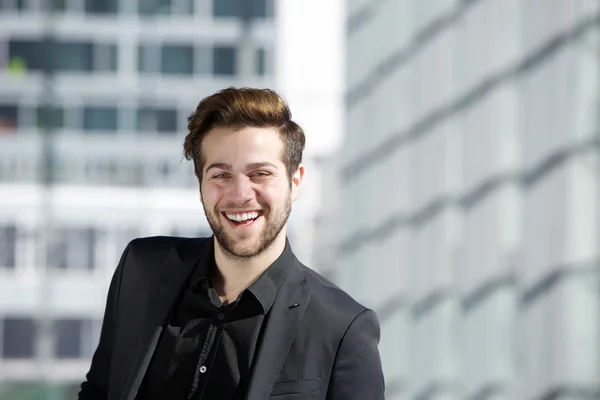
column 202, row 369
column 220, row 316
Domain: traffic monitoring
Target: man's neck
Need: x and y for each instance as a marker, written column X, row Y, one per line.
column 235, row 275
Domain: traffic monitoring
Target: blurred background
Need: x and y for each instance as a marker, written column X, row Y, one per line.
column 453, row 174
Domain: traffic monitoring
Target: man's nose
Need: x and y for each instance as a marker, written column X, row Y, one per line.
column 242, row 189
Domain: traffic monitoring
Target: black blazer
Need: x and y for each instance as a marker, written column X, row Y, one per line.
column 324, row 348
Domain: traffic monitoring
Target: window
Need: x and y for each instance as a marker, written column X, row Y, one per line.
column 100, row 118
column 105, row 57
column 101, row 6
column 166, row 7
column 12, row 5
column 224, row 60
column 73, row 338
column 154, row 7
column 260, row 62
column 153, row 119
column 148, row 56
column 59, row 5
column 27, row 53
column 73, row 248
column 8, row 245
column 9, row 117
column 240, row 8
column 74, row 56
column 52, row 117
column 18, row 339
column 177, row 59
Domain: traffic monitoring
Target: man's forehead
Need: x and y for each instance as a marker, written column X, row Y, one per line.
column 242, row 166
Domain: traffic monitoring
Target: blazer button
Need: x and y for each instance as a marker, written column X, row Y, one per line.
column 202, row 369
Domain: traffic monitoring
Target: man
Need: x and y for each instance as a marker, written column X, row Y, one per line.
column 236, row 315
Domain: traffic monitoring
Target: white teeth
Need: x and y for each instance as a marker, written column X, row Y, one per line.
column 243, row 216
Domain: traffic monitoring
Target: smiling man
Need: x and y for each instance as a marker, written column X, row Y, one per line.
column 235, row 315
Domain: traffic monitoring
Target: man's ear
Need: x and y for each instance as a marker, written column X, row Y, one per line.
column 297, row 181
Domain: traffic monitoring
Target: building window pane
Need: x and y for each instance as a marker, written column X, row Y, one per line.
column 8, row 246
column 259, row 9
column 52, row 117
column 59, row 5
column 177, row 59
column 26, row 55
column 12, row 5
column 74, row 56
column 69, row 338
column 261, row 62
column 101, row 6
column 226, row 8
column 154, row 7
column 100, row 118
column 224, row 60
column 105, row 59
column 9, row 117
column 18, row 339
column 73, row 248
column 240, row 8
column 148, row 59
column 157, row 120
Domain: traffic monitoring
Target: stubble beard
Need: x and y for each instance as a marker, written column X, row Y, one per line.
column 270, row 232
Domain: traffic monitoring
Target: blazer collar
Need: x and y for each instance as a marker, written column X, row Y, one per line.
column 281, row 325
column 178, row 268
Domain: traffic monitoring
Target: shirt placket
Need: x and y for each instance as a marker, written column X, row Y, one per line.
column 209, row 349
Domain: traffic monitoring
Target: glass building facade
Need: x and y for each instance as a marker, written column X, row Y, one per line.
column 470, row 194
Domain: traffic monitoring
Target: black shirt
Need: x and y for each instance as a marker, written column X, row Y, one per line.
column 207, row 348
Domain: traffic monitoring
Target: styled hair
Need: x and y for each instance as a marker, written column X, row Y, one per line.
column 240, row 108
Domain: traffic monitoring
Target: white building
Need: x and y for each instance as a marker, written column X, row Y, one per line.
column 470, row 206
column 127, row 75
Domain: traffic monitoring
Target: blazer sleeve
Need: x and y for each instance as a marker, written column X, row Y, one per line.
column 357, row 372
column 95, row 386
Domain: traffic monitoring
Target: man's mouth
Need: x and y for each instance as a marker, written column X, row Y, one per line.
column 242, row 218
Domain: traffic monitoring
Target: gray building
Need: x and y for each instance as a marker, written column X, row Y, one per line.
column 470, row 203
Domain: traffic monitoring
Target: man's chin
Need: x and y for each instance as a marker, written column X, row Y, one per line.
column 242, row 252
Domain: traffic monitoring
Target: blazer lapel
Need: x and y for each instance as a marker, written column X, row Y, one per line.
column 281, row 327
column 178, row 267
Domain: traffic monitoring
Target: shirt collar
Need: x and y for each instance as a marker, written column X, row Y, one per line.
column 264, row 289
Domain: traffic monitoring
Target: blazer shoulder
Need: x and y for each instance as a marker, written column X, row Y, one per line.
column 156, row 245
column 154, row 250
column 331, row 298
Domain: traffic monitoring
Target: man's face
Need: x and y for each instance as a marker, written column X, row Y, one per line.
column 245, row 190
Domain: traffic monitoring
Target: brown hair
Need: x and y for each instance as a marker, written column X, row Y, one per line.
column 239, row 108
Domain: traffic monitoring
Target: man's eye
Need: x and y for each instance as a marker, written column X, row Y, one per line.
column 260, row 174
column 219, row 176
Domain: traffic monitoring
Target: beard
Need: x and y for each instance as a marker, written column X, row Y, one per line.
column 274, row 222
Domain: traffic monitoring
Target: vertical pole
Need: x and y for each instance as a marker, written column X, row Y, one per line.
column 45, row 331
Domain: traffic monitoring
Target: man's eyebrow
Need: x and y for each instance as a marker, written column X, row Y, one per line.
column 259, row 165
column 224, row 166
column 251, row 166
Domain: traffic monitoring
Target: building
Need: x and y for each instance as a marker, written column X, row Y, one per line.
column 471, row 194
column 121, row 77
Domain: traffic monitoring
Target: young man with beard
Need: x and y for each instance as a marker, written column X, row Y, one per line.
column 236, row 315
